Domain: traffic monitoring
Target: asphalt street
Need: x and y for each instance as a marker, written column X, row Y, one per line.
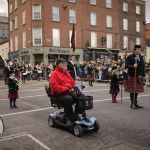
column 121, row 128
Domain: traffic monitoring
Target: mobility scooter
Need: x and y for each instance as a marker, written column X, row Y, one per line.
column 79, row 124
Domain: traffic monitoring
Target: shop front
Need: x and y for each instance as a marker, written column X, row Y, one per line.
column 100, row 54
column 15, row 55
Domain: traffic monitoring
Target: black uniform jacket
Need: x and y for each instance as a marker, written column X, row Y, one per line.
column 140, row 70
column 71, row 68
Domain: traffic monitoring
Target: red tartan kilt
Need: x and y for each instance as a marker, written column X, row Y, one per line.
column 124, row 83
column 13, row 96
column 114, row 91
column 83, row 76
column 36, row 74
column 90, row 76
column 138, row 86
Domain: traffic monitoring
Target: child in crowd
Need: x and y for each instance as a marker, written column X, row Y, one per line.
column 13, row 90
column 114, row 85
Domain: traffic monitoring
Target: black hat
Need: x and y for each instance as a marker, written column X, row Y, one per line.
column 137, row 46
column 60, row 61
column 114, row 68
column 11, row 71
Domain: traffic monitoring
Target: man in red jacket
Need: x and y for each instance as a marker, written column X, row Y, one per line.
column 62, row 86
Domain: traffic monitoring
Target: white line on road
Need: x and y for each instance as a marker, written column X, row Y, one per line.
column 30, row 96
column 10, row 136
column 22, row 135
column 24, row 112
column 42, row 109
column 37, row 141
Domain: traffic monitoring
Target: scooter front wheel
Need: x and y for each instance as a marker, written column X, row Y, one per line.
column 51, row 122
column 78, row 130
column 96, row 126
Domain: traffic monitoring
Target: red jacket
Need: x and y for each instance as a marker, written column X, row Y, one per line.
column 61, row 81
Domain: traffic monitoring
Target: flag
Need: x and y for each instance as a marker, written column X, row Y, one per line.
column 73, row 38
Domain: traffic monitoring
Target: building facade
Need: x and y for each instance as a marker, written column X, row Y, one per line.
column 148, row 42
column 40, row 30
column 4, row 49
column 3, row 27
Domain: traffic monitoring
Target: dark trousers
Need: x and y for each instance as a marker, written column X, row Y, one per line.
column 66, row 101
column 133, row 99
column 12, row 102
column 90, row 82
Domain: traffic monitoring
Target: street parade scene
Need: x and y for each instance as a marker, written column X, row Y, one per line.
column 91, row 95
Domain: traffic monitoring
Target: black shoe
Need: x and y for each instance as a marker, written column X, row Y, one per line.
column 134, row 107
column 15, row 106
column 138, row 106
column 11, row 107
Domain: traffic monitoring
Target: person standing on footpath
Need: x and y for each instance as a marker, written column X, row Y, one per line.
column 136, row 75
column 114, row 85
column 13, row 90
column 72, row 67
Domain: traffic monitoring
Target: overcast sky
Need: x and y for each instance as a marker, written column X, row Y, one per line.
column 4, row 8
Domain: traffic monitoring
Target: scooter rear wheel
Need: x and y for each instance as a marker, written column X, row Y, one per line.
column 51, row 122
column 78, row 130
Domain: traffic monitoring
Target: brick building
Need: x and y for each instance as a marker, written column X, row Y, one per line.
column 40, row 30
column 3, row 27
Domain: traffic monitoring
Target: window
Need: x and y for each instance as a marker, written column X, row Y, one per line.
column 93, row 19
column 56, row 37
column 72, row 1
column 72, row 16
column 37, row 36
column 16, row 4
column 137, row 26
column 138, row 41
column 16, row 42
column 138, row 10
column 24, row 17
column 93, row 39
column 125, row 42
column 36, row 12
column 55, row 13
column 23, row 1
column 125, row 24
column 70, row 34
column 16, row 22
column 93, row 2
column 109, row 21
column 10, row 8
column 125, row 7
column 109, row 40
column 11, row 23
column 11, row 44
column 24, row 39
column 108, row 4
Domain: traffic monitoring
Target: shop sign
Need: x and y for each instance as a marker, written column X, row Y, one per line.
column 59, row 50
column 24, row 52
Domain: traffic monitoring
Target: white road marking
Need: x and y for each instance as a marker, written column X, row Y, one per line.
column 37, row 141
column 42, row 109
column 22, row 135
column 24, row 112
column 9, row 136
column 24, row 97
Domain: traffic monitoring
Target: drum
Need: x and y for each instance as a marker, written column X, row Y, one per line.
column 24, row 74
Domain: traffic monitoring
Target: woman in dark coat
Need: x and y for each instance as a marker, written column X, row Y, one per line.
column 13, row 90
column 114, row 86
column 90, row 75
